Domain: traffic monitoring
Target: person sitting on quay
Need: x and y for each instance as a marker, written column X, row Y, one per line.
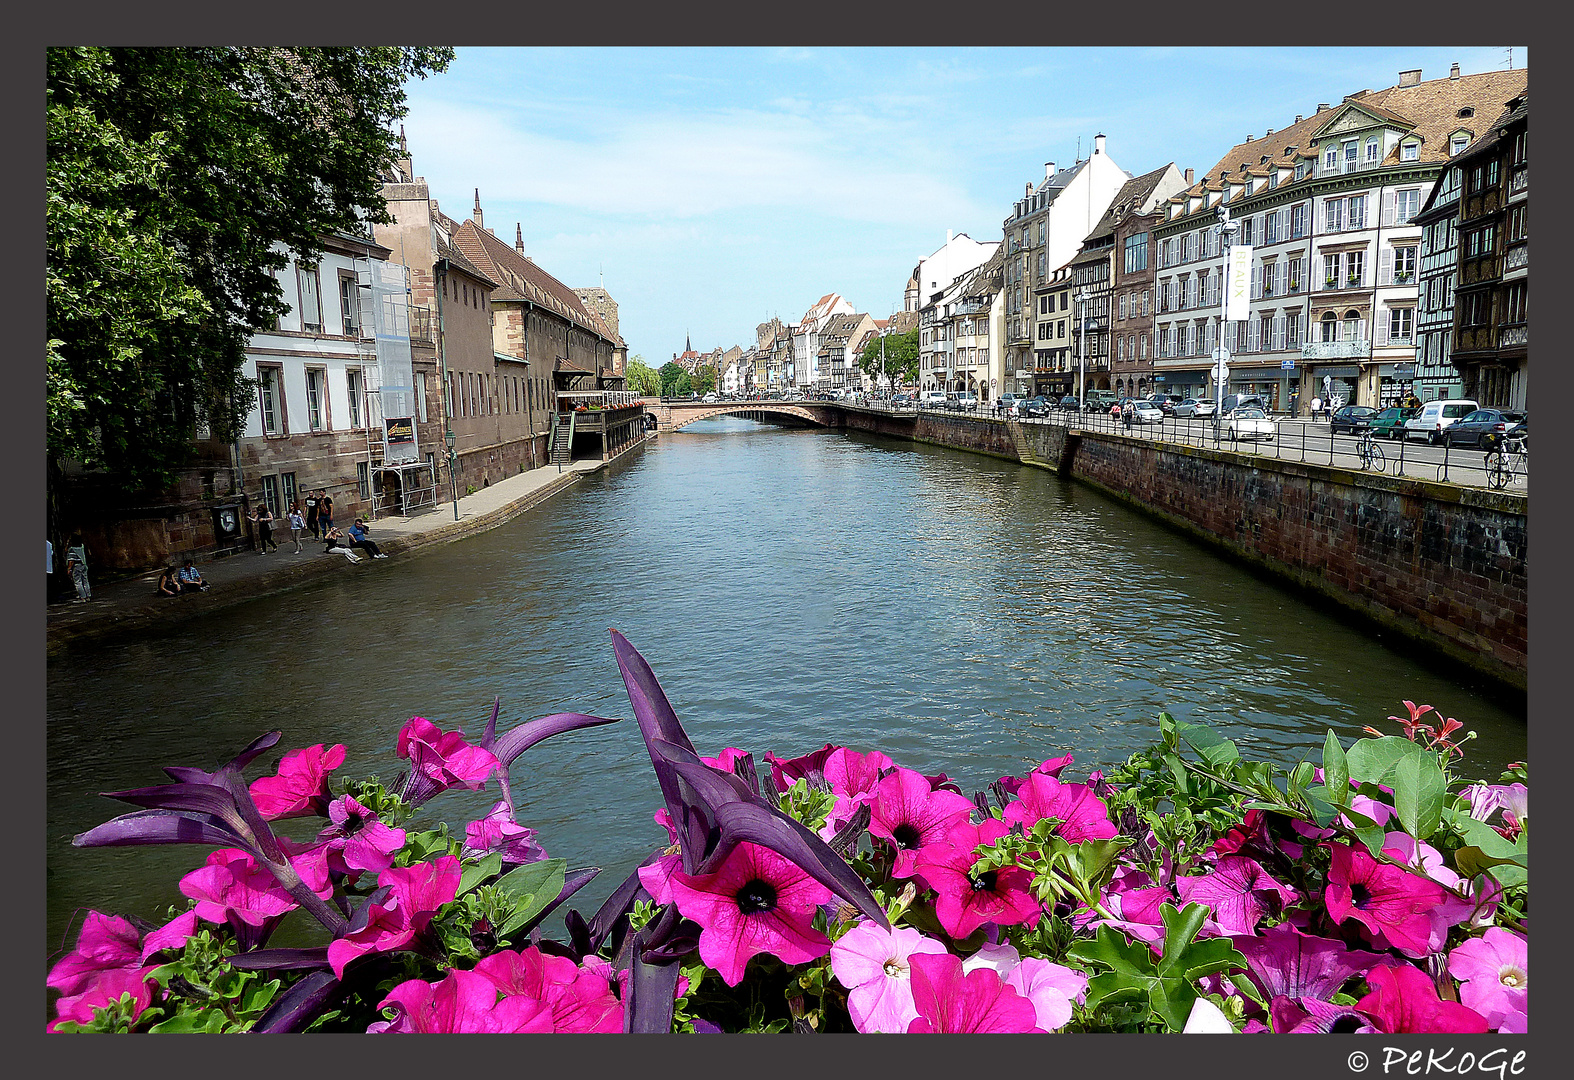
column 168, row 582
column 358, row 539
column 190, row 579
column 336, row 545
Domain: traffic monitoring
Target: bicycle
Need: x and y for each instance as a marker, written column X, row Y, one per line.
column 1370, row 453
column 1507, row 461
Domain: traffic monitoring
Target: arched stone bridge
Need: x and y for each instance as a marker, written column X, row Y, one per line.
column 677, row 416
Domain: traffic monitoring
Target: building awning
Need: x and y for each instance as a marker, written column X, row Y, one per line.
column 510, row 359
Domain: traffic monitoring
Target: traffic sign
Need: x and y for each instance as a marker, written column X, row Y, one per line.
column 1287, row 364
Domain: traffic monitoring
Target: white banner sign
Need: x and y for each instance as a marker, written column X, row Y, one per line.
column 1238, row 291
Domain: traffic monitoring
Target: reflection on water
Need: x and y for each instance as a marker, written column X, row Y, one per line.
column 789, row 587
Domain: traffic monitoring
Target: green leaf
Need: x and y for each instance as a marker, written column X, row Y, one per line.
column 1419, row 788
column 1336, row 770
column 204, row 1021
column 1111, row 949
column 1118, row 986
column 1372, row 761
column 478, row 872
column 1179, row 928
column 530, row 888
column 1369, row 832
column 1471, row 861
column 1483, row 836
column 1213, row 748
column 1171, row 1001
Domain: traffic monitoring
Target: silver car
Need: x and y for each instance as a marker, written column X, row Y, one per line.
column 1146, row 412
column 1195, row 407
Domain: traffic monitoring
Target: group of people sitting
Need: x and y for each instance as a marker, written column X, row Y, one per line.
column 173, row 582
column 338, row 544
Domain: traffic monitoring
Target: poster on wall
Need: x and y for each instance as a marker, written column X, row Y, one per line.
column 401, row 430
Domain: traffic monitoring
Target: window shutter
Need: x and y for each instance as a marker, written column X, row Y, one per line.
column 1257, row 281
column 1388, row 207
column 1278, row 333
column 1382, row 331
column 1385, row 272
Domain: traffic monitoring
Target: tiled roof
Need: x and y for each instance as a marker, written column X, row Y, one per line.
column 520, row 279
column 455, row 256
column 1132, row 196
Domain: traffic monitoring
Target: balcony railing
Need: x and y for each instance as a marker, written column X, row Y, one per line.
column 1335, row 350
column 1520, row 181
column 568, row 400
column 423, row 324
column 1517, row 257
column 1514, row 335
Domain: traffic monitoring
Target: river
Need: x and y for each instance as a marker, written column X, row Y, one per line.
column 789, row 587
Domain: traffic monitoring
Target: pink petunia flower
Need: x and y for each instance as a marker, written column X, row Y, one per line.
column 978, row 1002
column 172, row 935
column 873, row 964
column 230, row 887
column 1403, row 1001
column 578, row 999
column 1494, row 977
column 105, row 943
column 1082, row 814
column 756, row 902
column 443, row 758
column 810, row 766
column 357, row 839
column 909, row 814
column 725, row 760
column 852, row 777
column 1049, row 986
column 1392, row 903
column 965, row 899
column 300, row 787
column 105, row 989
column 1011, row 785
column 499, row 832
column 417, row 892
column 1239, row 892
column 464, row 1002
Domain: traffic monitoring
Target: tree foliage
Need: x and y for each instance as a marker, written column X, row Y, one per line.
column 669, row 378
column 901, row 357
column 642, row 378
column 178, row 181
column 704, row 380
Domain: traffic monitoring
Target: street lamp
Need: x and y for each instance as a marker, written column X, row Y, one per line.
column 1082, row 350
column 449, row 439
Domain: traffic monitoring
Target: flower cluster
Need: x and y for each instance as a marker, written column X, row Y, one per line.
column 1184, row 890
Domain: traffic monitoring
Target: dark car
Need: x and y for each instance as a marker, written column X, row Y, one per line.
column 1355, row 419
column 1069, row 403
column 1390, row 423
column 1242, row 401
column 1484, row 428
column 1033, row 407
column 1165, row 403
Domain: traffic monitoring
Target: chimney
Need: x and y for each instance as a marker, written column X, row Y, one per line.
column 1098, row 144
column 1049, row 170
column 1270, row 132
column 1298, row 118
column 1189, row 177
column 519, row 239
column 1029, row 190
column 476, row 213
column 1453, row 72
column 1410, row 78
column 1322, row 106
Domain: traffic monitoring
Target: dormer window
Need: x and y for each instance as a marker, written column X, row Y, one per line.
column 1300, row 170
column 1410, row 151
column 1374, row 149
column 1331, row 159
column 1466, row 112
column 1457, row 142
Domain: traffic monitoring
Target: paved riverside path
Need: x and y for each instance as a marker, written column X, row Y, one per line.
column 131, row 604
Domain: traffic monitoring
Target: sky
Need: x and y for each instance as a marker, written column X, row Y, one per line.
column 710, row 189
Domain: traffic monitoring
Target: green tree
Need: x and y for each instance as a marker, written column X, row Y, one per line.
column 177, row 183
column 642, row 379
column 704, row 379
column 669, row 378
column 684, row 386
column 901, row 357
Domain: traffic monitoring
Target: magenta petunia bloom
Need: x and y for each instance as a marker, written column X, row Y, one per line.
column 809, row 767
column 172, row 935
column 1082, row 814
column 726, row 759
column 1285, row 962
column 1494, row 977
column 499, row 832
column 1392, row 903
column 965, row 900
column 873, row 964
column 443, row 758
column 231, row 887
column 105, row 989
column 978, row 1002
column 300, row 787
column 465, row 1002
column 854, row 775
column 358, row 840
column 756, row 902
column 1049, row 986
column 578, row 999
column 909, row 814
column 1310, row 1016
column 1403, row 1001
column 105, row 943
column 1051, row 768
column 1136, row 911
column 417, row 892
column 1488, row 799
column 1239, row 892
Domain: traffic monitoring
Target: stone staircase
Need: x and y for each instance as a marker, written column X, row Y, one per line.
column 562, row 439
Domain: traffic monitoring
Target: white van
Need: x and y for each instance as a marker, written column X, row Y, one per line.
column 1436, row 415
column 932, row 399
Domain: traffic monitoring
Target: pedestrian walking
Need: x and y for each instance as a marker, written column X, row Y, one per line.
column 76, row 566
column 262, row 517
column 324, row 511
column 297, row 526
column 311, row 515
column 1317, row 407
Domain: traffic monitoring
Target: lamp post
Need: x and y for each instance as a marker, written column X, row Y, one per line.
column 449, row 439
column 1082, row 350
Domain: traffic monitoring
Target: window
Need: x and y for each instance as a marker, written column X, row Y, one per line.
column 1406, row 205
column 1404, row 264
column 1374, row 149
column 349, row 304
column 1043, row 227
column 315, row 405
column 1333, row 214
column 1136, row 253
column 1330, row 270
column 290, row 497
column 1514, row 302
column 1295, row 278
column 352, row 386
column 269, row 400
column 1143, row 345
column 1065, row 300
column 1144, row 302
column 1475, row 309
column 1357, row 211
column 311, row 302
column 270, row 494
column 1246, row 231
column 1350, row 152
column 363, row 479
column 1122, row 305
column 1331, row 159
column 1516, row 223
column 1401, row 324
column 420, row 398
column 1292, row 330
column 1297, row 221
column 1457, row 143
column 1300, row 170
column 1330, row 326
column 1355, row 268
column 1410, row 151
column 1060, row 328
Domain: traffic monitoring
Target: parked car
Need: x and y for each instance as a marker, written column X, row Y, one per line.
column 1070, row 404
column 1195, row 407
column 1354, row 419
column 709, row 399
column 1436, row 415
column 1146, row 412
column 1246, row 422
column 1482, row 428
column 965, row 400
column 1033, row 407
column 1390, row 423
column 1100, row 401
column 932, row 399
column 1165, row 403
column 1520, row 431
column 1240, row 401
column 902, row 401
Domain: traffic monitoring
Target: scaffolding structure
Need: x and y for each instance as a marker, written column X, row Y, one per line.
column 397, row 482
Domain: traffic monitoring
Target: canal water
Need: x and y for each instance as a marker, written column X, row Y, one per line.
column 789, row 588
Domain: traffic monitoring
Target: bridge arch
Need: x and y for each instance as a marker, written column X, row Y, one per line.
column 681, row 416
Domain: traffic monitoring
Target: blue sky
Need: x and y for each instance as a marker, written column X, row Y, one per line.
column 713, row 188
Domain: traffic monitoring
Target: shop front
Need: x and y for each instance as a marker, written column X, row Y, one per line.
column 1267, row 383
column 1395, row 382
column 1182, row 384
column 1334, row 383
